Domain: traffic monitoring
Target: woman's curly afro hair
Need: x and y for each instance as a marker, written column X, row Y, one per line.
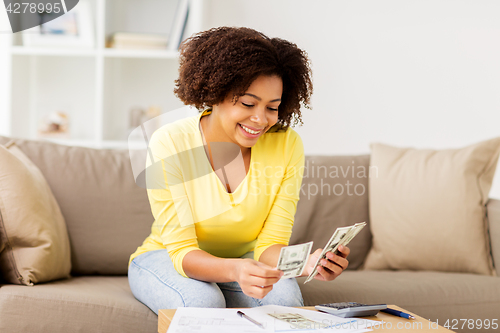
column 226, row 60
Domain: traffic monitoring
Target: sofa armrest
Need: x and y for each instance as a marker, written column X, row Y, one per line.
column 493, row 209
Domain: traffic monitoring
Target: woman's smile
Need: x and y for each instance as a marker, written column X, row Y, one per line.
column 248, row 132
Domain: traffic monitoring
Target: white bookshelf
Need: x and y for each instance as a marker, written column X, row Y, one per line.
column 98, row 87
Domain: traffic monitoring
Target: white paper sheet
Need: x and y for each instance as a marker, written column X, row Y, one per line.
column 209, row 320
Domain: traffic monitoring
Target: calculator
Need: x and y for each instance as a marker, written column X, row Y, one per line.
column 351, row 309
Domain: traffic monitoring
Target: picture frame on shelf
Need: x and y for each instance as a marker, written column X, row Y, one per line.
column 73, row 29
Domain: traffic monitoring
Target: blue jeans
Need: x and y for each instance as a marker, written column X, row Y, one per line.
column 155, row 283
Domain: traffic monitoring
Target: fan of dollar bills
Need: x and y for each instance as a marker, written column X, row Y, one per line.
column 293, row 259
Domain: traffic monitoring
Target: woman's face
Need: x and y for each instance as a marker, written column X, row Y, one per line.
column 253, row 115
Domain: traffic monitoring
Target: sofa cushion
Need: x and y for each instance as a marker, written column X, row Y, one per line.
column 334, row 194
column 493, row 210
column 34, row 244
column 432, row 295
column 428, row 208
column 81, row 304
column 107, row 215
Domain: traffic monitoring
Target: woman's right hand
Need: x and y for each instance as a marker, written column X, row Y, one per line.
column 256, row 279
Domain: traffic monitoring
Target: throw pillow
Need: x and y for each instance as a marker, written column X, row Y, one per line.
column 334, row 193
column 35, row 244
column 427, row 208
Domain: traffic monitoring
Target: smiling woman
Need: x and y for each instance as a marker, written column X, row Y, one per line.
column 218, row 230
column 242, row 123
column 225, row 61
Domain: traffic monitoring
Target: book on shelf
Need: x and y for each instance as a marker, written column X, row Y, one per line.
column 179, row 25
column 128, row 40
column 178, row 31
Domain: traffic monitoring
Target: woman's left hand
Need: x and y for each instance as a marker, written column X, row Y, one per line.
column 329, row 268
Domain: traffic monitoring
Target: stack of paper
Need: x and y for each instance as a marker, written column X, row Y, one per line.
column 275, row 318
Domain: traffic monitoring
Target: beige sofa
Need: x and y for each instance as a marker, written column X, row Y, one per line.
column 108, row 216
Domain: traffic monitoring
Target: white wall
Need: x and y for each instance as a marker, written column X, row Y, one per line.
column 5, row 39
column 422, row 73
column 408, row 73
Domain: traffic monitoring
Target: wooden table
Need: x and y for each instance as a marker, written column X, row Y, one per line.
column 391, row 324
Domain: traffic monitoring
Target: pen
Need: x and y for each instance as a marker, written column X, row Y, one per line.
column 398, row 313
column 241, row 314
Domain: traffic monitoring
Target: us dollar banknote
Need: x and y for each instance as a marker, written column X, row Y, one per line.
column 293, row 318
column 341, row 236
column 293, row 259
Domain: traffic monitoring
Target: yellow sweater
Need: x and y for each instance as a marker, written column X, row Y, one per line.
column 192, row 208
